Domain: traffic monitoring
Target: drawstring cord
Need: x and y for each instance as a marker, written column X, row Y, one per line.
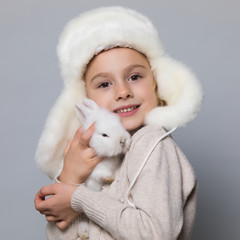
column 142, row 166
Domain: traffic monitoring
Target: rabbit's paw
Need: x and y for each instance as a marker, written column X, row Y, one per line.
column 84, row 236
column 107, row 180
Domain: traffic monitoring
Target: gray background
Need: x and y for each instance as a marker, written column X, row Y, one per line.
column 203, row 34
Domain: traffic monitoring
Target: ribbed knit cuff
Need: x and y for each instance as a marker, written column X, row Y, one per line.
column 94, row 204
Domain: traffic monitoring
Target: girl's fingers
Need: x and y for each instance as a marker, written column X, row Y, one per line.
column 38, row 203
column 42, row 204
column 77, row 136
column 93, row 158
column 96, row 160
column 62, row 225
column 51, row 218
column 47, row 190
column 86, row 136
column 81, row 137
column 38, row 199
column 90, row 153
column 46, row 213
column 66, row 149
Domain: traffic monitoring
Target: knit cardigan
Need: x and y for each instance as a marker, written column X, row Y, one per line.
column 164, row 195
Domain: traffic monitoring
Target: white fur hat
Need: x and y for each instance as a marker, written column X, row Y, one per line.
column 86, row 36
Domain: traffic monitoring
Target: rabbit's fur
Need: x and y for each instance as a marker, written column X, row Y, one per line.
column 110, row 140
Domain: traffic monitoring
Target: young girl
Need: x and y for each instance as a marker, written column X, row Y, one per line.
column 114, row 56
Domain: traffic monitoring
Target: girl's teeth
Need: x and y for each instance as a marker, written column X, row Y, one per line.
column 126, row 110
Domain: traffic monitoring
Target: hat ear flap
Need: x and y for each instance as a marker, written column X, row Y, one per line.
column 178, row 86
column 60, row 126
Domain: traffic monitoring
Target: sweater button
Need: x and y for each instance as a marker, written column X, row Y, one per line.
column 121, row 200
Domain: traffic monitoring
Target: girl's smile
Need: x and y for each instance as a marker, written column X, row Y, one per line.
column 121, row 80
column 127, row 111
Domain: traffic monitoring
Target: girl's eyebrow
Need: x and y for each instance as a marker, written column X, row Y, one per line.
column 131, row 67
column 127, row 69
column 102, row 74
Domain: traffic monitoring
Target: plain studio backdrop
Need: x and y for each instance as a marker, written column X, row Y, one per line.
column 205, row 35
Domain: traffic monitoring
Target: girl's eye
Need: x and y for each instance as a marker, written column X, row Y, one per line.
column 134, row 77
column 104, row 85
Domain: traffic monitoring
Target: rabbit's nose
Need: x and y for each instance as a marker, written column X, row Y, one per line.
column 122, row 141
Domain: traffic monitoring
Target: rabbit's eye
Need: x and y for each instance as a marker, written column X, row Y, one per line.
column 105, row 135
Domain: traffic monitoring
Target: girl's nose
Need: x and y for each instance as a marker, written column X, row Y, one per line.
column 123, row 91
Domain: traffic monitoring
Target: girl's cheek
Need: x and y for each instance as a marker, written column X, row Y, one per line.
column 100, row 98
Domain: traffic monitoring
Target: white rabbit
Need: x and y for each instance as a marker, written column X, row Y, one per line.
column 110, row 139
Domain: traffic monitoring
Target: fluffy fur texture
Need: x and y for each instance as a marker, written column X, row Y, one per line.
column 86, row 36
column 110, row 139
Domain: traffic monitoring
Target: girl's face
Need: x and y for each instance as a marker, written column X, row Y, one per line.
column 121, row 80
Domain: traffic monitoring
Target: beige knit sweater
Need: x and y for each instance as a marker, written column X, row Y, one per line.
column 164, row 195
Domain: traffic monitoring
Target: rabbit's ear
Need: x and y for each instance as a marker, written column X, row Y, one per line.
column 81, row 112
column 90, row 105
column 86, row 108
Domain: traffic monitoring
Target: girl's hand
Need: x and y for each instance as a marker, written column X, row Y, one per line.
column 79, row 158
column 79, row 162
column 57, row 207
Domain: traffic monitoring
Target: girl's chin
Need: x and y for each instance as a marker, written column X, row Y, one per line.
column 131, row 126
